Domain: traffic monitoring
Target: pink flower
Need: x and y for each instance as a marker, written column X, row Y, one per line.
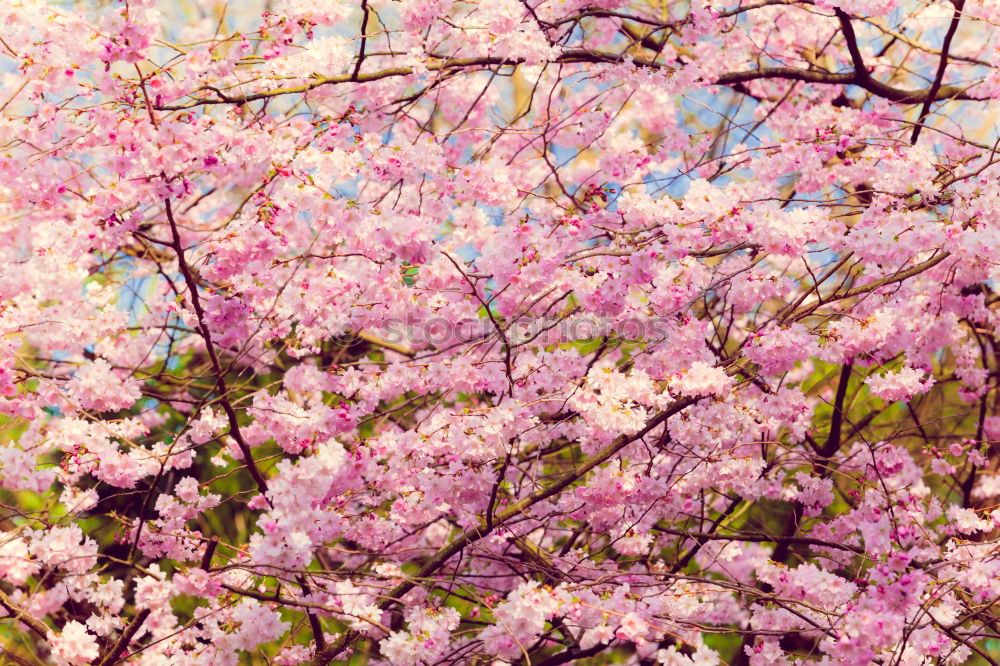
column 73, row 645
column 702, row 379
column 97, row 387
column 632, row 628
column 991, row 427
column 900, row 385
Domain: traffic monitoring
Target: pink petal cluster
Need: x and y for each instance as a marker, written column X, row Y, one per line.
column 431, row 332
column 902, row 384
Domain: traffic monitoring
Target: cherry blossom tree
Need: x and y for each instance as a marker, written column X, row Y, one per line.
column 530, row 332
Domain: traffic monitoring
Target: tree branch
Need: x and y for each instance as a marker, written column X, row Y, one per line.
column 111, row 656
column 220, row 379
column 942, row 66
column 472, row 535
column 19, row 614
column 570, row 56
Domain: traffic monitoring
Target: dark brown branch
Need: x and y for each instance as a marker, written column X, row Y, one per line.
column 364, row 40
column 119, row 646
column 759, row 538
column 220, row 378
column 894, row 278
column 832, row 444
column 314, row 624
column 206, row 559
column 572, row 655
column 942, row 66
column 14, row 657
column 858, row 77
column 18, row 614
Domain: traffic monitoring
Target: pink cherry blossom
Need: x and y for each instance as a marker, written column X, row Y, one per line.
column 899, row 385
column 437, row 332
column 74, row 645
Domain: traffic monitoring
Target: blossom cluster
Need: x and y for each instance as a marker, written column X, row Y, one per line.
column 512, row 332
